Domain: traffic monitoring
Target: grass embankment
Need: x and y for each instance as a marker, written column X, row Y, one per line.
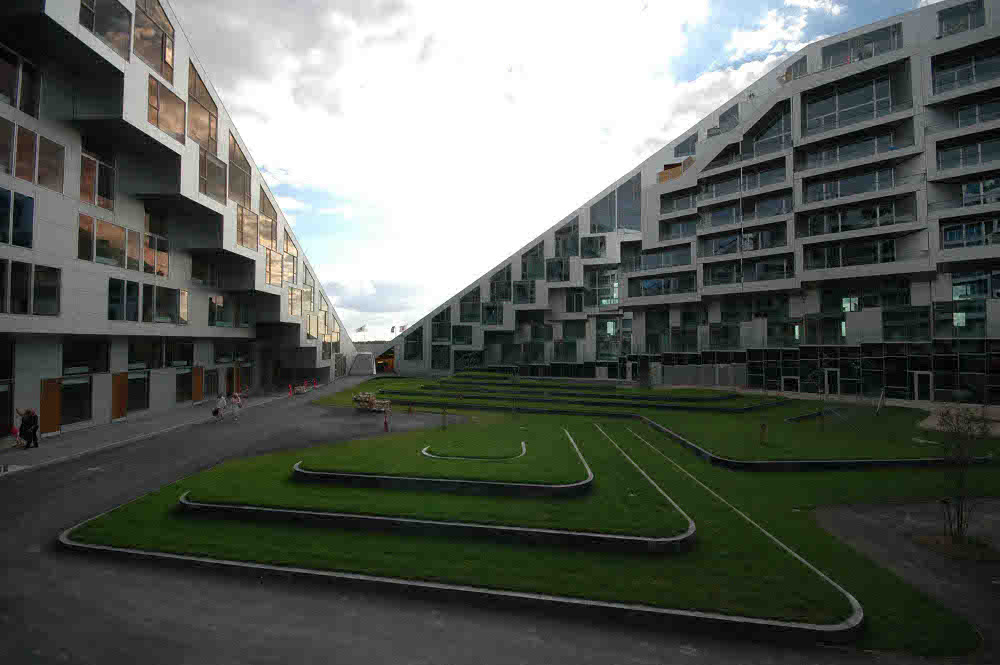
column 733, row 569
column 898, row 617
column 863, row 435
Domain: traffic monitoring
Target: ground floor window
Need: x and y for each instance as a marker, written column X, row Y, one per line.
column 440, row 357
column 211, row 383
column 138, row 391
column 246, row 377
column 6, row 407
column 76, row 400
column 184, row 385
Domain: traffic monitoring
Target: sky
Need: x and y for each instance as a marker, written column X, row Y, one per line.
column 415, row 145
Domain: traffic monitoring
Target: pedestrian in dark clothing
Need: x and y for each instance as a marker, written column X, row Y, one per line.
column 29, row 427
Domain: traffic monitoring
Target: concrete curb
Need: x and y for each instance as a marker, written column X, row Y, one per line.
column 483, row 487
column 446, row 386
column 124, row 442
column 404, row 401
column 427, row 453
column 802, row 465
column 561, row 537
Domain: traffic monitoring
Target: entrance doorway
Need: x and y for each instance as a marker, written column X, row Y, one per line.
column 921, row 385
column 833, row 382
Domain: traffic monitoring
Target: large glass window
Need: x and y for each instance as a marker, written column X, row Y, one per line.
column 268, row 223
column 76, row 400
column 166, row 110
column 593, row 247
column 629, row 204
column 568, row 239
column 212, row 176
column 294, row 301
column 183, row 393
column 6, row 141
column 110, row 244
column 144, row 353
column 273, row 268
column 51, row 163
column 31, row 88
column 290, row 268
column 203, row 116
column 131, row 301
column 148, row 302
column 3, row 288
column 22, row 220
column 20, row 287
column 138, row 391
column 844, row 106
column 687, row 147
column 97, row 182
column 24, row 158
column 239, row 174
column 20, row 83
column 110, row 21
column 167, row 305
column 246, row 228
column 46, row 291
column 116, row 299
column 602, row 214
column 5, row 211
column 10, row 65
column 84, row 355
column 960, row 18
column 154, row 37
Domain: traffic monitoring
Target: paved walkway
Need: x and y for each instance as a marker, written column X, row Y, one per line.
column 74, row 444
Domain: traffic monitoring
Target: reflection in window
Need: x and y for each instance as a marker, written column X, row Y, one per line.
column 166, row 110
column 246, row 228
column 6, row 143
column 110, row 21
column 203, row 118
column 967, row 16
column 239, row 174
column 22, row 221
column 212, row 176
column 51, row 157
column 167, row 305
column 568, row 239
column 20, row 280
column 268, row 222
column 46, row 291
column 629, row 203
column 110, row 244
column 97, row 182
column 273, row 268
column 602, row 214
column 25, row 156
column 154, row 37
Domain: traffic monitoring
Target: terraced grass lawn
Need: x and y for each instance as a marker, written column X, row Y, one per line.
column 898, row 617
column 550, row 458
column 862, row 435
column 733, row 569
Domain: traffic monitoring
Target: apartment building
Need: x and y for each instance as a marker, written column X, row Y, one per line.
column 835, row 227
column 144, row 262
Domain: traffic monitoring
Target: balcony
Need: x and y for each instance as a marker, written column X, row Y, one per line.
column 969, row 155
column 672, row 171
column 760, row 149
column 468, row 311
column 978, row 70
column 862, row 47
column 853, row 152
column 564, row 351
column 969, row 116
column 966, row 201
column 872, row 253
column 864, row 183
column 853, row 116
column 557, row 270
column 747, row 242
column 979, row 233
column 524, row 292
column 662, row 286
column 847, row 224
column 765, row 272
column 441, row 331
column 730, row 275
column 656, row 261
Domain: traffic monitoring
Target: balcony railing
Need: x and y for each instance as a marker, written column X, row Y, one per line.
column 564, row 351
column 861, row 256
column 441, row 331
column 966, row 201
column 986, row 69
column 743, row 244
column 762, row 273
column 663, row 287
column 841, row 156
column 763, row 212
column 859, row 52
column 469, row 311
column 852, row 116
column 766, row 147
column 655, row 261
column 858, row 225
column 960, row 157
column 970, row 240
column 719, row 278
column 982, row 115
column 678, row 233
column 876, row 185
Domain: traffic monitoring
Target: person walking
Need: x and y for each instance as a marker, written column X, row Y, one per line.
column 29, row 427
column 235, row 404
column 220, row 408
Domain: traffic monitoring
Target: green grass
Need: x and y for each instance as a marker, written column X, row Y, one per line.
column 615, row 404
column 550, row 458
column 863, row 435
column 344, row 397
column 733, row 569
column 898, row 617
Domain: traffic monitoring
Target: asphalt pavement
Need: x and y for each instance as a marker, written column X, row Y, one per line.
column 65, row 607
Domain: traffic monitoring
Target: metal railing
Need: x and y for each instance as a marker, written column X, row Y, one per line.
column 878, row 185
column 886, row 220
column 564, row 351
column 662, row 287
column 984, row 70
column 879, row 150
column 766, row 274
column 742, row 245
column 655, row 261
column 851, row 117
column 873, row 257
column 987, row 152
column 965, row 201
column 978, row 240
column 956, row 123
column 766, row 147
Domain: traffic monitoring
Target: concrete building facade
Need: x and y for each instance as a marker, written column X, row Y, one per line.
column 835, row 227
column 144, row 261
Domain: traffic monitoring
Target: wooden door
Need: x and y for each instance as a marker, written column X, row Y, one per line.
column 197, row 383
column 50, row 411
column 119, row 395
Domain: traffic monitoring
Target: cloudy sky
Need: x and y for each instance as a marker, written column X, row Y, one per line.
column 417, row 144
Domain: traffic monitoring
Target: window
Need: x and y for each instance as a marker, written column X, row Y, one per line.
column 441, row 357
column 182, row 307
column 133, row 249
column 593, row 247
column 22, row 220
column 110, row 21
column 687, row 147
column 149, row 256
column 180, row 353
column 294, row 301
column 144, row 353
column 147, row 303
column 239, row 174
column 46, row 291
column 10, row 65
column 268, row 224
column 138, row 391
column 131, row 301
column 166, row 110
column 167, row 305
column 154, row 37
column 51, row 158
column 76, row 400
column 3, row 286
column 110, row 244
column 24, row 159
column 462, row 335
column 212, row 176
column 20, row 83
column 307, row 291
column 568, row 239
column 573, row 330
column 203, row 117
column 218, row 316
column 629, row 203
column 5, row 209
column 183, row 392
column 97, row 182
column 84, row 355
column 273, row 268
column 6, row 140
column 290, row 268
column 31, row 88
column 960, row 18
column 20, row 282
column 602, row 214
column 116, row 300
column 246, row 228
column 156, row 256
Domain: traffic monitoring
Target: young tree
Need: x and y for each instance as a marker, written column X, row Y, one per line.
column 966, row 433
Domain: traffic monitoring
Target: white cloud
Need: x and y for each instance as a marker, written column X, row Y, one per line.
column 775, row 33
column 454, row 142
column 826, row 6
column 289, row 203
